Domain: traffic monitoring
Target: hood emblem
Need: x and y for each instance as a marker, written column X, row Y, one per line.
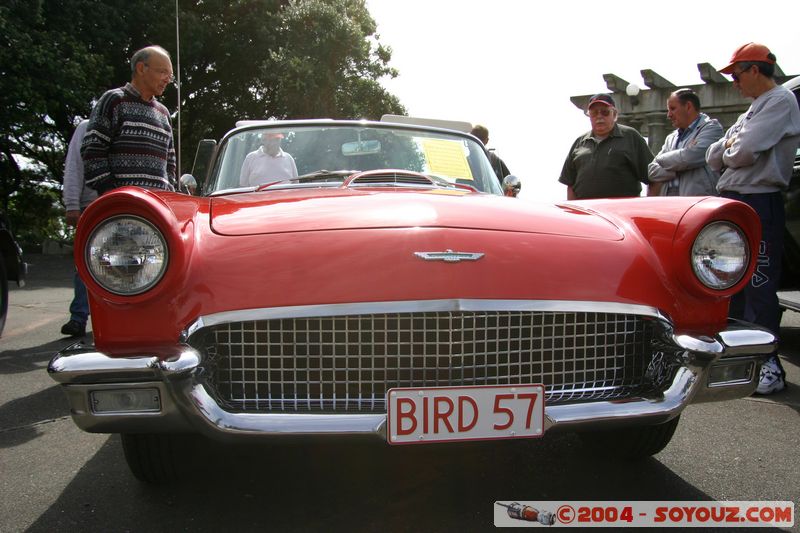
column 449, row 256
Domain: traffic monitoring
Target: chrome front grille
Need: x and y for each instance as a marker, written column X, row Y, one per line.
column 347, row 363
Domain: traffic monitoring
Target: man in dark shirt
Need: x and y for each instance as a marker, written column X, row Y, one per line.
column 499, row 167
column 610, row 161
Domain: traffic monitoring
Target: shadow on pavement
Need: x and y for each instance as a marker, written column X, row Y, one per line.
column 351, row 485
column 34, row 358
column 18, row 418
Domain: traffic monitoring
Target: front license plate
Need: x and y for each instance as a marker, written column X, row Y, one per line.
column 442, row 414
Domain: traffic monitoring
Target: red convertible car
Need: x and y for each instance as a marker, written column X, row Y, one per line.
column 351, row 277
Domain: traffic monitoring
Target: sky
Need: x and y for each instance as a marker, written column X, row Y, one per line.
column 512, row 65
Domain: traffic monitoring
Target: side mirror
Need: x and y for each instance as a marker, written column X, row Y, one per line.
column 188, row 183
column 511, row 186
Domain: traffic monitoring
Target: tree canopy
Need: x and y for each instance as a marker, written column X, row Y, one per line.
column 239, row 59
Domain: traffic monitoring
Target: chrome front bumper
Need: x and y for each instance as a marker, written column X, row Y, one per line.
column 186, row 406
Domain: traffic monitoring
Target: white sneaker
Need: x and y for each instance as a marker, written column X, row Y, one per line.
column 771, row 378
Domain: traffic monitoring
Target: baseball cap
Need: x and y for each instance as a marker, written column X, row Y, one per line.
column 604, row 99
column 749, row 52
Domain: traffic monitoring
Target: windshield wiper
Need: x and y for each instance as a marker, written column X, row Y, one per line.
column 319, row 175
column 438, row 180
column 322, row 174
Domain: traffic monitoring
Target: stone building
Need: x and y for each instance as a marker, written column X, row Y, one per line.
column 645, row 109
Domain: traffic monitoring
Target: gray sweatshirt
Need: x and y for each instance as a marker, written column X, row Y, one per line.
column 686, row 161
column 761, row 157
column 76, row 195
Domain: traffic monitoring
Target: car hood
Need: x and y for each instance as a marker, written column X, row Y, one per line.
column 343, row 209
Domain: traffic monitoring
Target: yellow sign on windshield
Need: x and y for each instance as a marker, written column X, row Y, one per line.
column 446, row 158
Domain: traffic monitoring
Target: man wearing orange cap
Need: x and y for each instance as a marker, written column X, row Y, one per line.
column 755, row 157
column 267, row 164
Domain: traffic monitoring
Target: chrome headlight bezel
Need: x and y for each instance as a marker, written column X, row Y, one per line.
column 126, row 255
column 720, row 255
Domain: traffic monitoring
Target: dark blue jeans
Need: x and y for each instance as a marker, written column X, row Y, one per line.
column 79, row 308
column 758, row 301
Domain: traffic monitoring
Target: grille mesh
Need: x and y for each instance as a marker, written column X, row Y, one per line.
column 347, row 363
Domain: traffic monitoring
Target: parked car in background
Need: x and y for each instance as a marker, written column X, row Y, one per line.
column 390, row 289
column 790, row 280
column 12, row 267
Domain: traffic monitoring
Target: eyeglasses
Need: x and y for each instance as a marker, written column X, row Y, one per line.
column 163, row 72
column 736, row 75
column 605, row 111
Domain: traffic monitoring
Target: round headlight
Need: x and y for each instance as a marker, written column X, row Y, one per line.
column 126, row 255
column 720, row 255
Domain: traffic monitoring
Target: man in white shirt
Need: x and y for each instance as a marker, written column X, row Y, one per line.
column 267, row 164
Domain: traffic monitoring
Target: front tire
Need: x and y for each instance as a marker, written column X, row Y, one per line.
column 152, row 457
column 632, row 443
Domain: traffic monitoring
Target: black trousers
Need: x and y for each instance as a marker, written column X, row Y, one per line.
column 758, row 301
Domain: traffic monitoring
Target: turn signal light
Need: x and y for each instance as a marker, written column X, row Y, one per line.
column 126, row 401
column 730, row 374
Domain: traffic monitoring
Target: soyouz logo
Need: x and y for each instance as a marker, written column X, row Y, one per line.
column 645, row 514
column 528, row 513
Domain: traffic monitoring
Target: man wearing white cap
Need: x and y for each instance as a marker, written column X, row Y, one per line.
column 755, row 157
column 267, row 164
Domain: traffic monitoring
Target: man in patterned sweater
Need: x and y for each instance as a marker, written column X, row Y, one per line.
column 129, row 137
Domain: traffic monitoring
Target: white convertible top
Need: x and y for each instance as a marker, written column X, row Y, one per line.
column 456, row 125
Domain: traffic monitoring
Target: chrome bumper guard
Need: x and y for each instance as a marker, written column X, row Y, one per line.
column 186, row 406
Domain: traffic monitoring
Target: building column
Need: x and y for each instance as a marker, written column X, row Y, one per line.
column 657, row 130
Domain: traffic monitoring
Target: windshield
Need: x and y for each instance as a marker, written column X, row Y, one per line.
column 326, row 155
